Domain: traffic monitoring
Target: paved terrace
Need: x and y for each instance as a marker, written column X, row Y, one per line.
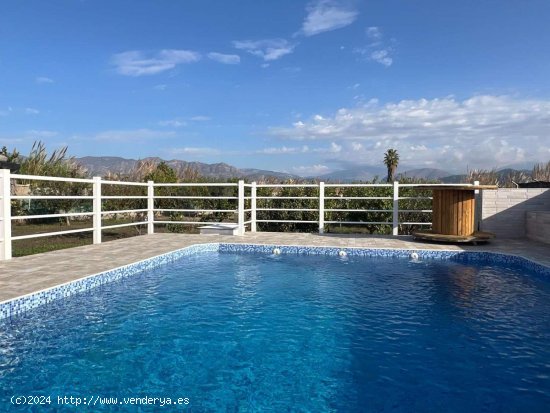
column 25, row 275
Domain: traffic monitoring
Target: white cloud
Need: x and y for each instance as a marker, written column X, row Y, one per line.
column 43, row 79
column 267, row 49
column 228, row 59
column 179, row 122
column 291, row 150
column 335, row 148
column 32, row 111
column 284, row 150
column 311, row 170
column 174, row 123
column 133, row 136
column 382, row 56
column 196, row 151
column 326, row 15
column 377, row 50
column 41, row 133
column 139, row 63
column 160, row 87
column 200, row 118
column 374, row 33
column 483, row 131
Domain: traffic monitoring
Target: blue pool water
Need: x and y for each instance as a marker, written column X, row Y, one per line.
column 251, row 332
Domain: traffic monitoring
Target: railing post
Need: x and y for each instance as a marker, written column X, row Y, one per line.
column 150, row 207
column 321, row 207
column 253, row 191
column 240, row 208
column 395, row 225
column 97, row 209
column 477, row 208
column 5, row 215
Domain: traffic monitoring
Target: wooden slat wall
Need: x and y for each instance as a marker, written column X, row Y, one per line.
column 453, row 212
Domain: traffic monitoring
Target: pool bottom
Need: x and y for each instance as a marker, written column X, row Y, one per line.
column 264, row 332
column 24, row 303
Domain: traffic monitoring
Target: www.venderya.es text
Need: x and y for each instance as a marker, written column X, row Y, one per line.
column 95, row 400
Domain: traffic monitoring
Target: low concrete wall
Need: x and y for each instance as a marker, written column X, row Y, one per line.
column 538, row 226
column 504, row 211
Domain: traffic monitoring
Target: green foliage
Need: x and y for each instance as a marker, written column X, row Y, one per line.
column 162, row 174
column 302, row 198
column 540, row 172
column 10, row 156
column 56, row 165
column 367, row 204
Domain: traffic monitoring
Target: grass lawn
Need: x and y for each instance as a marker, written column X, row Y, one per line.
column 52, row 243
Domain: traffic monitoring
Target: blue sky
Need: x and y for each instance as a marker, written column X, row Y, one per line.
column 306, row 87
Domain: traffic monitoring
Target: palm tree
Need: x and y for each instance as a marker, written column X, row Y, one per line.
column 391, row 159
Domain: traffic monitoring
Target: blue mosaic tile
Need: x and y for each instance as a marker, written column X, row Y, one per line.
column 18, row 305
column 481, row 257
column 21, row 304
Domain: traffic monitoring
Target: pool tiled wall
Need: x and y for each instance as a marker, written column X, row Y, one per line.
column 21, row 304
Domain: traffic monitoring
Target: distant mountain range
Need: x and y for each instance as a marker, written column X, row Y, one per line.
column 366, row 173
column 101, row 165
column 358, row 173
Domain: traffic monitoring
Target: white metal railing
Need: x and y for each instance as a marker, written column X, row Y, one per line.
column 243, row 196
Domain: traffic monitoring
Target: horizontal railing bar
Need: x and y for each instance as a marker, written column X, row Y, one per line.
column 50, row 178
column 359, row 185
column 51, row 234
column 415, row 210
column 358, row 223
column 62, row 215
column 287, row 220
column 287, row 209
column 415, row 197
column 422, row 186
column 287, row 197
column 53, row 197
column 358, row 210
column 287, row 186
column 415, row 223
column 194, row 210
column 358, row 197
column 124, row 197
column 192, row 222
column 124, row 225
column 123, row 211
column 107, row 182
column 183, row 184
column 195, row 197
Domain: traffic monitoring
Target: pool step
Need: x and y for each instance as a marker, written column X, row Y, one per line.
column 220, row 229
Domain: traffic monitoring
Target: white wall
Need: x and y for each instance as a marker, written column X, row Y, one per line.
column 504, row 211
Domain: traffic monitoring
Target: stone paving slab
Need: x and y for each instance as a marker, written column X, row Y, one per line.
column 26, row 275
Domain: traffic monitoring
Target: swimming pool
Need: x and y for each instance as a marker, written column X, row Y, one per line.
column 248, row 331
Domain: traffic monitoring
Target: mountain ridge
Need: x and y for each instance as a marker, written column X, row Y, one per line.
column 101, row 165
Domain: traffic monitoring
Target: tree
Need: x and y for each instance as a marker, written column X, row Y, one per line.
column 391, row 159
column 38, row 162
column 10, row 157
column 162, row 174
